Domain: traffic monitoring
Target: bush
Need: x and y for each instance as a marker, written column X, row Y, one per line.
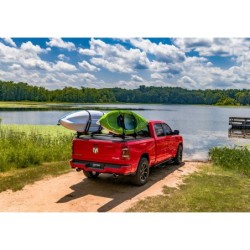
column 231, row 158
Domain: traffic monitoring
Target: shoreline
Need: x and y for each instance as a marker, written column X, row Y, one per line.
column 67, row 106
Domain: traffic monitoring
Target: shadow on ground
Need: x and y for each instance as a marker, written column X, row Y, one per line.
column 119, row 189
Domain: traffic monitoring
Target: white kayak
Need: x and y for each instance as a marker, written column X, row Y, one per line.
column 82, row 121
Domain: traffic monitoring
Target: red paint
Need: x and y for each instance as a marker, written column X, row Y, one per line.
column 121, row 156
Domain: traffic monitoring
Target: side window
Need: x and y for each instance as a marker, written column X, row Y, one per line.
column 167, row 129
column 159, row 130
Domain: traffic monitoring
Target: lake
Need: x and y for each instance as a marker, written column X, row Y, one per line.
column 202, row 127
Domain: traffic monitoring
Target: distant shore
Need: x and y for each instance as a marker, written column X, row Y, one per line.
column 47, row 106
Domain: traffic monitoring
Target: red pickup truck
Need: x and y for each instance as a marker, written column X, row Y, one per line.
column 127, row 155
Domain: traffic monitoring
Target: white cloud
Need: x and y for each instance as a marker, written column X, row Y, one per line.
column 35, row 63
column 87, row 52
column 86, row 77
column 60, row 65
column 137, row 78
column 199, row 73
column 214, row 46
column 169, row 68
column 63, row 57
column 9, row 41
column 15, row 66
column 126, row 84
column 26, row 55
column 117, row 58
column 58, row 42
column 112, row 66
column 87, row 66
column 163, row 52
column 31, row 48
column 187, row 44
column 187, row 82
column 8, row 54
column 156, row 76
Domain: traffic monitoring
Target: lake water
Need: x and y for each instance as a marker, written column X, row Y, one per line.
column 202, row 127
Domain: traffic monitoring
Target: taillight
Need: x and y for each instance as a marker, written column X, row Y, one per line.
column 125, row 153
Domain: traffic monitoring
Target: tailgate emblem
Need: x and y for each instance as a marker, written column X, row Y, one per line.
column 95, row 149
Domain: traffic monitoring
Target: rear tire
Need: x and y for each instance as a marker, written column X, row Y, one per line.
column 178, row 157
column 91, row 174
column 142, row 173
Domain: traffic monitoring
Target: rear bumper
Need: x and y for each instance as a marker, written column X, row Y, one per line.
column 104, row 168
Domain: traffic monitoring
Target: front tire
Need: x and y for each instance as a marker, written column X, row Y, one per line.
column 142, row 172
column 178, row 157
column 91, row 174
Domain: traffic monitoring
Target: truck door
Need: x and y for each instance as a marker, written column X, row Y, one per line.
column 170, row 141
column 162, row 142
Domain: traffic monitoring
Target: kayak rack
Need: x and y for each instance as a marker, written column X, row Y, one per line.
column 121, row 123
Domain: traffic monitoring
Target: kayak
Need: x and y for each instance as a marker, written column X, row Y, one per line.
column 82, row 121
column 122, row 122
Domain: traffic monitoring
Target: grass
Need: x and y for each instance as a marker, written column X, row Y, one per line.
column 223, row 186
column 213, row 189
column 17, row 179
column 26, row 105
column 22, row 105
column 23, row 146
column 236, row 159
column 30, row 152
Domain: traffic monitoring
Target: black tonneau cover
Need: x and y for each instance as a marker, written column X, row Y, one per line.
column 115, row 138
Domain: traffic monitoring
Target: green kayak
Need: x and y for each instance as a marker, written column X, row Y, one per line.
column 122, row 122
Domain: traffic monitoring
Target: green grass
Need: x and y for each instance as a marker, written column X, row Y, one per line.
column 237, row 159
column 213, row 189
column 17, row 179
column 6, row 106
column 223, row 186
column 22, row 146
column 21, row 104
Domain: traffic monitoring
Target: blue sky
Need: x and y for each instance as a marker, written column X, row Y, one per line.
column 193, row 63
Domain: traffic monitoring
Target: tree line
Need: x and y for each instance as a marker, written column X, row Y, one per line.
column 10, row 91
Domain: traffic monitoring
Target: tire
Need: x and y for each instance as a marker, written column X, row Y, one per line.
column 91, row 174
column 142, row 173
column 178, row 157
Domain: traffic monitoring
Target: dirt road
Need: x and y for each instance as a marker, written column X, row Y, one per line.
column 73, row 192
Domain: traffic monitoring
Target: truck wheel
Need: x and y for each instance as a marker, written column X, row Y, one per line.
column 142, row 172
column 178, row 157
column 91, row 174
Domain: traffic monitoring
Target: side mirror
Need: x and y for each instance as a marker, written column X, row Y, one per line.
column 176, row 132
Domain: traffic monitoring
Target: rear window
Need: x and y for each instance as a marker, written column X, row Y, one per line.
column 144, row 132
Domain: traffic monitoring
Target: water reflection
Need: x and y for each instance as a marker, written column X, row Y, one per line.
column 239, row 133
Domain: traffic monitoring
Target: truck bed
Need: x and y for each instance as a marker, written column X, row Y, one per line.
column 114, row 138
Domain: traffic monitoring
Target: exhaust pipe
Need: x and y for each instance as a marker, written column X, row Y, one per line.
column 115, row 175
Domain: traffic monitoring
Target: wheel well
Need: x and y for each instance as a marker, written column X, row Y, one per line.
column 145, row 156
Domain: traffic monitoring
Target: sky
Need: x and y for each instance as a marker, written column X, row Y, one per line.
column 192, row 63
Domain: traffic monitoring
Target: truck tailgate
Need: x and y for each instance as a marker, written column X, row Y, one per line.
column 97, row 150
